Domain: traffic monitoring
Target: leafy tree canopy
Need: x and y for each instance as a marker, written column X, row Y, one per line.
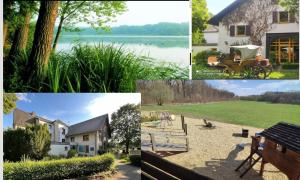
column 290, row 5
column 94, row 13
column 200, row 15
column 126, row 126
column 9, row 102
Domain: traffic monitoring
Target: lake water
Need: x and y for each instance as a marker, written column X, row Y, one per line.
column 161, row 48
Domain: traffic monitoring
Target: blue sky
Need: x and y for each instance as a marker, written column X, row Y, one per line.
column 255, row 87
column 71, row 107
column 152, row 12
column 215, row 6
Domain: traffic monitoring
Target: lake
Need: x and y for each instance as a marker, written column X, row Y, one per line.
column 174, row 49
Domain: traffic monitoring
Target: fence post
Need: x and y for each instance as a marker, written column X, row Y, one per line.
column 182, row 122
column 153, row 142
column 187, row 144
column 185, row 129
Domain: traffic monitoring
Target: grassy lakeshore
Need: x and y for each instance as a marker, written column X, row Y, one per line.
column 250, row 113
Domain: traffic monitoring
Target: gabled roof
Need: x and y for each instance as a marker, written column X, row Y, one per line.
column 287, row 135
column 21, row 118
column 91, row 125
column 61, row 122
column 211, row 29
column 217, row 18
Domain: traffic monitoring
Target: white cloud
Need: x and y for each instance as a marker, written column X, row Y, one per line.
column 278, row 85
column 111, row 102
column 23, row 97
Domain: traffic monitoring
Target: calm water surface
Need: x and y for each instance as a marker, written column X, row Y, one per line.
column 162, row 48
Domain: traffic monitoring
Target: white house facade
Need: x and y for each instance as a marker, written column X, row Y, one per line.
column 280, row 42
column 88, row 137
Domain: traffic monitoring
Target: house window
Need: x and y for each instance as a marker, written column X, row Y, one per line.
column 81, row 148
column 91, row 148
column 63, row 140
column 283, row 17
column 72, row 139
column 241, row 30
column 86, row 149
column 66, row 148
column 63, row 131
column 85, row 137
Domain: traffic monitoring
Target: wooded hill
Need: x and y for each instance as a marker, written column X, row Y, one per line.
column 275, row 97
column 163, row 29
column 180, row 91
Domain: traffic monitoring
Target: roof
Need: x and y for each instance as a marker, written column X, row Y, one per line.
column 217, row 18
column 287, row 135
column 91, row 125
column 211, row 29
column 22, row 117
column 61, row 122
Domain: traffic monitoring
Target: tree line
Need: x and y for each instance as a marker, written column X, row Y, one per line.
column 275, row 97
column 164, row 29
column 180, row 91
column 17, row 18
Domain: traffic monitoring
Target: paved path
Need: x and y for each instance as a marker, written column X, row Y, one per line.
column 126, row 171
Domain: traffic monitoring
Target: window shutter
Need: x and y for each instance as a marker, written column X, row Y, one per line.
column 232, row 31
column 275, row 17
column 292, row 17
column 248, row 30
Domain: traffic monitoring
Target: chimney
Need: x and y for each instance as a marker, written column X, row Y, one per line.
column 33, row 113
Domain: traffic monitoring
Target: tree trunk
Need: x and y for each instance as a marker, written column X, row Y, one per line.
column 127, row 146
column 21, row 36
column 58, row 33
column 5, row 30
column 43, row 35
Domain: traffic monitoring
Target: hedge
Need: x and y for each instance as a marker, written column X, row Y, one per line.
column 58, row 169
column 135, row 160
column 201, row 57
column 290, row 66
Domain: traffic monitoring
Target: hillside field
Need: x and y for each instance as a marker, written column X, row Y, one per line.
column 250, row 113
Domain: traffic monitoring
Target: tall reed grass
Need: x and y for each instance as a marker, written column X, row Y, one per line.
column 98, row 68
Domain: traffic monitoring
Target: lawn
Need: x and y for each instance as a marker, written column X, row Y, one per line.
column 255, row 114
column 204, row 72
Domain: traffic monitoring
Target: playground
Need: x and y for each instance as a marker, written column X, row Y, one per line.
column 210, row 148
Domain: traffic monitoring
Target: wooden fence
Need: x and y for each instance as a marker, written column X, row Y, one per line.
column 154, row 167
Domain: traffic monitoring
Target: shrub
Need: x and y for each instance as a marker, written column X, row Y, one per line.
column 290, row 66
column 135, row 160
column 33, row 142
column 72, row 153
column 201, row 57
column 15, row 144
column 58, row 169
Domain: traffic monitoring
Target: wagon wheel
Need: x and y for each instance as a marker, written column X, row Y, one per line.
column 253, row 72
column 269, row 70
column 259, row 72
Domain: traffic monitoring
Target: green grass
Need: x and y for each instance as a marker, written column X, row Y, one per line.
column 98, row 68
column 205, row 72
column 250, row 113
column 284, row 75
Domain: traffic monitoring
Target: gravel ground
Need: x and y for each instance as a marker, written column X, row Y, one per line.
column 213, row 152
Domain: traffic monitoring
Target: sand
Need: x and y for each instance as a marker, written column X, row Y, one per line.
column 214, row 152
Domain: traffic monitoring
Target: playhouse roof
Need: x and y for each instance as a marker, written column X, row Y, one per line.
column 285, row 134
